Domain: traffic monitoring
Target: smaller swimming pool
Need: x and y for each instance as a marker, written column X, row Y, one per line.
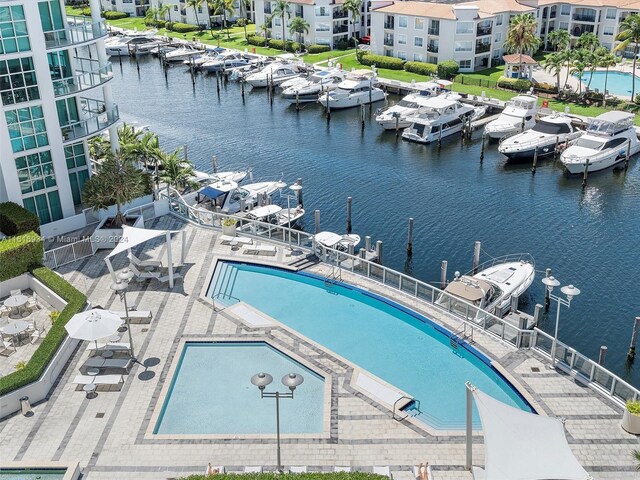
column 618, row 83
column 32, row 474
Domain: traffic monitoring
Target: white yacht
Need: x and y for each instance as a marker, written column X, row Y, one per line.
column 548, row 132
column 231, row 175
column 225, row 61
column 517, row 116
column 229, row 196
column 276, row 215
column 356, row 89
column 273, row 74
column 308, row 89
column 491, row 288
column 131, row 45
column 337, row 242
column 438, row 118
column 605, row 143
column 396, row 116
column 182, row 53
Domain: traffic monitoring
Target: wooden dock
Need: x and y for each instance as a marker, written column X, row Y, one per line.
column 483, row 121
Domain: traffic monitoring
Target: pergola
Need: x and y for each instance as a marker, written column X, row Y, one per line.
column 515, row 61
column 133, row 236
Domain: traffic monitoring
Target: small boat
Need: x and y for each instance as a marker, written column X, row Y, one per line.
column 182, row 53
column 491, row 288
column 273, row 74
column 342, row 243
column 201, row 59
column 356, row 89
column 517, row 116
column 232, row 175
column 396, row 116
column 607, row 141
column 131, row 45
column 225, row 61
column 308, row 89
column 548, row 132
column 276, row 215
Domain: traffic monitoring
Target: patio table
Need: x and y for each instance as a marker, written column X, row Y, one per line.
column 15, row 329
column 15, row 302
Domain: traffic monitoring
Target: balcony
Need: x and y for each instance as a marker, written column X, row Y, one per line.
column 578, row 30
column 78, row 32
column 432, row 47
column 340, row 29
column 482, row 31
column 97, row 119
column 434, row 31
column 388, row 41
column 482, row 47
column 581, row 17
column 84, row 79
column 340, row 14
column 267, row 9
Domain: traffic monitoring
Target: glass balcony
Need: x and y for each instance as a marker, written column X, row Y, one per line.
column 340, row 14
column 481, row 31
column 432, row 47
column 578, row 30
column 388, row 41
column 85, row 78
column 582, row 17
column 388, row 25
column 97, row 119
column 340, row 29
column 483, row 47
column 434, row 31
column 78, row 31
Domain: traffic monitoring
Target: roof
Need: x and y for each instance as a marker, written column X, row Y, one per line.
column 264, row 211
column 447, row 11
column 615, row 116
column 517, row 58
column 592, row 3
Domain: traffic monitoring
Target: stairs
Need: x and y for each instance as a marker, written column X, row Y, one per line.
column 223, row 281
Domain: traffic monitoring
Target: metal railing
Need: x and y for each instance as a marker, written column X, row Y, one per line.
column 147, row 211
column 83, row 80
column 579, row 17
column 78, row 31
column 434, row 31
column 340, row 14
column 71, row 252
column 96, row 120
column 432, row 48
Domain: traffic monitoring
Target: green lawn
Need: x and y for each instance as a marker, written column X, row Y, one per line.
column 493, row 73
column 320, row 57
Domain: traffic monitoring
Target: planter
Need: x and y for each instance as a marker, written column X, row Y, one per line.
column 630, row 422
column 229, row 230
column 104, row 237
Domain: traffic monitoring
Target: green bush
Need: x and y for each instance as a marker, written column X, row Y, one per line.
column 15, row 219
column 86, row 11
column 315, row 48
column 447, row 69
column 546, row 87
column 256, row 40
column 56, row 334
column 421, row 68
column 20, row 253
column 514, row 83
column 382, row 61
column 110, row 15
column 342, row 44
column 182, row 27
column 291, row 46
column 633, row 407
column 290, row 476
column 155, row 23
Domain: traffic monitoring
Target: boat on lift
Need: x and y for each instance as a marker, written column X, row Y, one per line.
column 356, row 89
column 335, row 241
column 225, row 61
column 131, row 45
column 231, row 198
column 518, row 115
column 397, row 116
column 182, row 53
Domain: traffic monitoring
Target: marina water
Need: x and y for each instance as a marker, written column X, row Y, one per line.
column 590, row 238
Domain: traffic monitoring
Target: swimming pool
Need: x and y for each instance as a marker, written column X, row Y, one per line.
column 211, row 392
column 405, row 349
column 32, row 474
column 618, row 83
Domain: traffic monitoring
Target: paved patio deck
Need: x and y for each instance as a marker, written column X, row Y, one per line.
column 107, row 434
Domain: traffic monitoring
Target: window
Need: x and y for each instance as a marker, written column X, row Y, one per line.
column 323, row 27
column 417, row 42
column 498, row 20
column 565, row 9
column 77, row 181
column 419, row 24
column 75, row 156
column 51, row 16
column 323, row 41
column 46, row 206
column 175, row 8
column 35, row 172
column 13, row 30
column 402, row 21
column 464, row 27
column 26, row 128
column 608, row 30
column 611, row 13
column 18, row 81
column 564, row 26
column 322, row 12
column 463, row 46
column 402, row 39
column 465, row 63
column 277, row 22
column 78, row 169
column 418, row 57
column 498, row 37
column 402, row 55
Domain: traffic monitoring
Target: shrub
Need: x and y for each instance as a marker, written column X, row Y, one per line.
column 291, row 46
column 56, row 334
column 256, row 40
column 229, row 222
column 20, row 253
column 633, row 407
column 169, row 26
column 514, row 83
column 15, row 219
column 381, row 61
column 546, row 87
column 86, row 11
column 447, row 69
column 182, row 27
column 155, row 23
column 110, row 15
column 315, row 48
column 421, row 68
column 342, row 44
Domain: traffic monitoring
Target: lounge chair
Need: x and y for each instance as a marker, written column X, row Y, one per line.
column 7, row 348
column 114, row 347
column 384, row 471
column 4, row 310
column 341, row 469
column 105, row 381
column 227, row 239
column 297, row 469
column 252, row 469
column 429, row 474
column 99, row 362
column 152, row 275
column 32, row 303
column 143, row 263
column 208, row 472
column 259, row 250
column 135, row 316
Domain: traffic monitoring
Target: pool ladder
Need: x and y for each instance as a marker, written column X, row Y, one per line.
column 334, row 277
column 460, row 335
column 413, row 401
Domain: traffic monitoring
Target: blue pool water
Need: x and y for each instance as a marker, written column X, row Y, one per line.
column 406, row 350
column 35, row 474
column 211, row 392
column 618, row 83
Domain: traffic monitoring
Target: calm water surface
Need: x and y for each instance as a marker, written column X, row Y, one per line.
column 589, row 238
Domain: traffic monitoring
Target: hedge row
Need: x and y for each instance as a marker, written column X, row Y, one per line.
column 290, row 476
column 514, row 83
column 20, row 253
column 155, row 23
column 15, row 219
column 278, row 44
column 111, row 15
column 318, row 48
column 181, row 27
column 256, row 40
column 382, row 61
column 49, row 346
column 448, row 69
column 421, row 68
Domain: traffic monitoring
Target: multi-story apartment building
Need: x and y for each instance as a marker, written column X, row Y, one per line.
column 55, row 94
column 135, row 8
column 179, row 11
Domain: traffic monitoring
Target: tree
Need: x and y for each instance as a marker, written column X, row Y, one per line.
column 223, row 7
column 553, row 63
column 163, row 10
column 298, row 25
column 282, row 9
column 151, row 16
column 629, row 33
column 354, row 7
column 243, row 22
column 589, row 41
column 521, row 36
column 606, row 60
column 579, row 65
column 176, row 172
column 195, row 4
column 560, row 39
column 568, row 56
column 265, row 27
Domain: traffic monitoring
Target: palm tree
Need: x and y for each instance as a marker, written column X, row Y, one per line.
column 354, row 7
column 223, row 7
column 195, row 4
column 151, row 16
column 629, row 32
column 636, row 457
column 163, row 10
column 589, row 40
column 553, row 63
column 282, row 8
column 298, row 25
column 606, row 59
column 521, row 36
column 560, row 39
column 243, row 22
column 568, row 56
column 176, row 172
column 265, row 27
column 579, row 65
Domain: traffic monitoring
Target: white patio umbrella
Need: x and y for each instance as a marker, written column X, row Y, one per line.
column 93, row 324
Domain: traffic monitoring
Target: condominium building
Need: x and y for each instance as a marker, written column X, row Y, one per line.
column 55, row 94
column 178, row 11
column 135, row 8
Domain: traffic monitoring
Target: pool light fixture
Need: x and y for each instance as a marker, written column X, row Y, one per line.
column 570, row 291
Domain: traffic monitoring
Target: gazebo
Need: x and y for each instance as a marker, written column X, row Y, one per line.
column 133, row 236
column 514, row 62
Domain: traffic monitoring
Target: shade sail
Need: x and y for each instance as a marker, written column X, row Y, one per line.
column 523, row 446
column 132, row 236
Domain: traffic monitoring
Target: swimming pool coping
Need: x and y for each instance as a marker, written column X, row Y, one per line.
column 72, row 469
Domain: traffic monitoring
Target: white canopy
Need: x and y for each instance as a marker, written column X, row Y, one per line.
column 93, row 324
column 524, row 446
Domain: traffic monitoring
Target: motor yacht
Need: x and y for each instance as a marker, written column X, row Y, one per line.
column 608, row 140
column 225, row 61
column 356, row 89
column 440, row 117
column 546, row 134
column 334, row 241
column 491, row 288
column 131, row 45
column 276, row 215
column 273, row 74
column 517, row 116
column 231, row 198
column 182, row 53
column 308, row 89
column 397, row 116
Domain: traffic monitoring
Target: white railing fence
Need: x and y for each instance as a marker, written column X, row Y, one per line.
column 71, row 252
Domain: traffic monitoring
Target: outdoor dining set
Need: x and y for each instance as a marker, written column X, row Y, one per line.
column 16, row 328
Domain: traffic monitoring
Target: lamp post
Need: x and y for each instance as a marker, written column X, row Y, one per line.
column 292, row 380
column 120, row 288
column 570, row 291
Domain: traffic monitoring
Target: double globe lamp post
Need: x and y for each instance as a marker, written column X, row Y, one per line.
column 570, row 291
column 120, row 287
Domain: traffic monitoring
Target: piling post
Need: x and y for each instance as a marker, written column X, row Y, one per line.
column 135, row 54
column 242, row 89
column 514, row 303
column 628, row 154
column 410, row 237
column 214, row 163
column 476, row 256
column 165, row 67
column 119, row 61
column 370, row 92
column 555, row 149
column 362, row 115
column 269, row 200
column 522, row 125
column 537, row 313
column 379, row 251
column 191, row 71
column 367, row 243
column 363, row 253
column 547, row 299
column 535, row 160
column 218, row 83
column 482, row 147
column 397, row 125
column 585, row 174
column 443, row 274
column 349, row 202
column 272, row 91
column 300, row 202
column 440, row 137
column 631, row 354
column 317, row 219
column 297, row 101
column 328, row 107
column 602, row 355
column 351, row 249
column 243, row 205
column 184, row 147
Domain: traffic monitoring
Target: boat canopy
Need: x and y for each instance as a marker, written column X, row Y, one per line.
column 469, row 289
column 217, row 189
column 551, row 128
column 328, row 239
column 265, row 211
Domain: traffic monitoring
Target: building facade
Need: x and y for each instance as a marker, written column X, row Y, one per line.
column 135, row 8
column 55, row 94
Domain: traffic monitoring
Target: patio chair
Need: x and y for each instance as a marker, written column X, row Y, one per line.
column 7, row 348
column 15, row 292
column 36, row 336
column 4, row 310
column 259, row 249
column 32, row 303
column 416, row 474
column 143, row 263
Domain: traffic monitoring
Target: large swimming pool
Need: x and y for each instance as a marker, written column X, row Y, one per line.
column 618, row 83
column 397, row 345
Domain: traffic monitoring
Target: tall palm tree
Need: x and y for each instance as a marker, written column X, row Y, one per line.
column 298, row 25
column 629, row 33
column 568, row 56
column 560, row 39
column 282, row 9
column 163, row 10
column 606, row 60
column 224, row 7
column 265, row 27
column 176, row 172
column 195, row 4
column 589, row 40
column 243, row 22
column 579, row 65
column 521, row 36
column 553, row 63
column 354, row 7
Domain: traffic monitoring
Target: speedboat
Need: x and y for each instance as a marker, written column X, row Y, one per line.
column 517, row 116
column 182, row 53
column 356, row 89
column 397, row 116
column 440, row 117
column 607, row 141
column 225, row 61
column 546, row 134
column 131, row 45
column 276, row 215
column 231, row 198
column 308, row 89
column 201, row 59
column 491, row 288
column 231, row 175
column 334, row 241
column 273, row 74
